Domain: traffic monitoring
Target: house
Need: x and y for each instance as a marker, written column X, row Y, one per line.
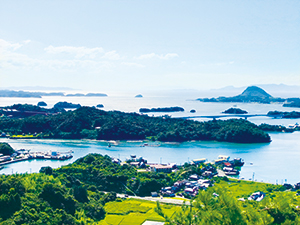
column 180, row 183
column 225, row 158
column 194, row 177
column 161, row 168
column 228, row 164
column 198, row 161
column 135, row 164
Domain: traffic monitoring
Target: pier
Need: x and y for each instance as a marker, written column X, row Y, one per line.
column 52, row 155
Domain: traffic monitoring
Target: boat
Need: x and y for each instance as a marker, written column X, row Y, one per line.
column 232, row 173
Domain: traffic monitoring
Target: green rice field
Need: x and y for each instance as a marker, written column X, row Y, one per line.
column 134, row 212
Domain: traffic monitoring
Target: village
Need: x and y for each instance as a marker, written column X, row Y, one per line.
column 190, row 186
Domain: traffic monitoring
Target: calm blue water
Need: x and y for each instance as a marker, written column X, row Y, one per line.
column 274, row 162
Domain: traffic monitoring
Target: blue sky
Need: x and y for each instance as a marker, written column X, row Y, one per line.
column 100, row 46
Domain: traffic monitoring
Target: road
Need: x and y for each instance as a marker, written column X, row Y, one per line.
column 159, row 199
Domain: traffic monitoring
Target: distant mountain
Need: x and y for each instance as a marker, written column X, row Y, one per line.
column 254, row 92
column 250, row 94
column 276, row 90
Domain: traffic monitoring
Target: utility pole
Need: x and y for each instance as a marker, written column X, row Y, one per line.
column 253, row 176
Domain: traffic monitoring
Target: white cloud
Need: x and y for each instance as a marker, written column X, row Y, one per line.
column 132, row 64
column 79, row 52
column 153, row 55
column 27, row 41
column 112, row 55
column 5, row 45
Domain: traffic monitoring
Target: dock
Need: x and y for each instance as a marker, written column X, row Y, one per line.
column 52, row 155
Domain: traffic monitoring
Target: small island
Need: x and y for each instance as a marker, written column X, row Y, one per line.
column 67, row 105
column 42, row 104
column 235, row 111
column 289, row 115
column 192, row 111
column 75, row 95
column 292, row 102
column 139, row 96
column 166, row 109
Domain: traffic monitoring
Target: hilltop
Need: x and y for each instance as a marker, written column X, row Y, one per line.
column 250, row 94
column 254, row 92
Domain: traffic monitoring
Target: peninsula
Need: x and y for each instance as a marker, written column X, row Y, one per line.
column 92, row 123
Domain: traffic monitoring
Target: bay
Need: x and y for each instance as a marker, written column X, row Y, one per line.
column 275, row 162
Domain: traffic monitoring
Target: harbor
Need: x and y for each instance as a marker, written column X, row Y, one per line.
column 23, row 155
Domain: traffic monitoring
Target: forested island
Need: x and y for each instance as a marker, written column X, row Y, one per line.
column 290, row 115
column 257, row 95
column 92, row 123
column 165, row 109
column 235, row 111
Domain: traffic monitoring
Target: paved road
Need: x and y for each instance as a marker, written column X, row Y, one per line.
column 155, row 199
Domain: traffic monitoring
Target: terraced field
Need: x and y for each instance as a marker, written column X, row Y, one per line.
column 134, row 212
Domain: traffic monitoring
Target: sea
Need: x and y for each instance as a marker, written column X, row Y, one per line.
column 277, row 162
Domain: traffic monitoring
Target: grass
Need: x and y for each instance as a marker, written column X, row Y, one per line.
column 242, row 189
column 134, row 212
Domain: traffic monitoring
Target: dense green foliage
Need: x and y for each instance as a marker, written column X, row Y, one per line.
column 275, row 128
column 6, row 149
column 100, row 171
column 224, row 208
column 87, row 122
column 72, row 195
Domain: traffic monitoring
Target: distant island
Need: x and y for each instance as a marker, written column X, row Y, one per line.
column 92, row 123
column 235, row 111
column 139, row 96
column 292, row 102
column 28, row 94
column 42, row 104
column 26, row 110
column 255, row 94
column 75, row 95
column 166, row 109
column 67, row 105
column 289, row 115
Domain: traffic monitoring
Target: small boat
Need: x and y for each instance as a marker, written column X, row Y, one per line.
column 232, row 173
